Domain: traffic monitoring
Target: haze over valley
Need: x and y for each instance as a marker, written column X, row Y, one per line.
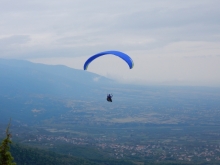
column 64, row 110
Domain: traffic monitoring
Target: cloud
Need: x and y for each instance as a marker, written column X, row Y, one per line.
column 171, row 30
column 74, row 23
column 14, row 40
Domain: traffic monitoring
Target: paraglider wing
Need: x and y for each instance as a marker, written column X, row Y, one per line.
column 123, row 56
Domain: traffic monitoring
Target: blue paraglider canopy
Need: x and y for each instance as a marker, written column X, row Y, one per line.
column 122, row 55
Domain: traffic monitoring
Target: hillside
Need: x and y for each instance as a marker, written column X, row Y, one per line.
column 31, row 92
column 34, row 156
column 23, row 77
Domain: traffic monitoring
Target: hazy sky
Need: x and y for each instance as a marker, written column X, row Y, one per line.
column 170, row 41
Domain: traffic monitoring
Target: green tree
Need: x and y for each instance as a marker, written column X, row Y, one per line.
column 5, row 155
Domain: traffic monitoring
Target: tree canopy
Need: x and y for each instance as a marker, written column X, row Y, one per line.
column 5, row 155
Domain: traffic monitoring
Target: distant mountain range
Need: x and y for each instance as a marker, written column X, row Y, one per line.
column 24, row 77
column 28, row 88
column 32, row 93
